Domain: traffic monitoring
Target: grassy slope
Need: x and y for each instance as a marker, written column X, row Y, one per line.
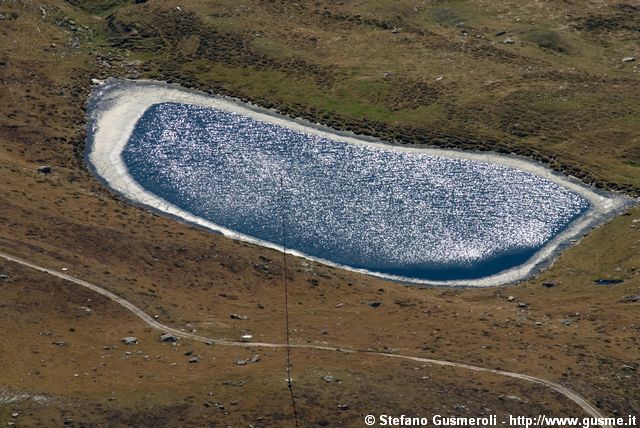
column 573, row 102
column 560, row 93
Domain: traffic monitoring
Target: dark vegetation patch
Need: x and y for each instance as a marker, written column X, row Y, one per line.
column 401, row 94
column 98, row 6
column 621, row 18
column 547, row 39
column 446, row 16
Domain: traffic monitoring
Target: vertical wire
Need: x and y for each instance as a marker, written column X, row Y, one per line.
column 286, row 303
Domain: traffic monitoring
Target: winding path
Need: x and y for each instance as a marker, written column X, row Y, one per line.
column 568, row 393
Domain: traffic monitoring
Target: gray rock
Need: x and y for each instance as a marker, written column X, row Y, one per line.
column 241, row 362
column 631, row 299
column 330, row 379
column 508, row 41
column 45, row 169
column 4, row 277
column 166, row 337
column 628, row 59
column 255, row 359
column 60, row 343
column 549, row 284
column 374, row 304
column 566, row 322
column 130, row 340
column 238, row 317
column 523, row 305
column 234, row 382
column 194, row 360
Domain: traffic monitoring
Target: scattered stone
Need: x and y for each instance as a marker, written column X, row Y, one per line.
column 500, row 33
column 339, row 305
column 128, row 353
column 343, row 406
column 166, row 337
column 238, row 317
column 628, row 367
column 188, row 353
column 508, row 41
column 628, row 59
column 396, row 30
column 538, row 323
column 15, row 414
column 374, row 304
column 246, row 338
column 4, row 277
column 130, row 340
column 511, row 298
column 234, row 382
column 255, row 359
column 60, row 343
column 98, row 82
column 330, row 379
column 241, row 362
column 194, row 360
column 549, row 284
column 631, row 299
column 45, row 169
column 523, row 305
column 566, row 322
column 86, row 309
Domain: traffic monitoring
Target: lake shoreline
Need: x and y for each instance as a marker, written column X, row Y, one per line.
column 114, row 109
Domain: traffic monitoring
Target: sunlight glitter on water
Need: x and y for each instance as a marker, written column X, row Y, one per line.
column 402, row 213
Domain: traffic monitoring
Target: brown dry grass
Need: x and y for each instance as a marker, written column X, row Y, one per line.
column 188, row 276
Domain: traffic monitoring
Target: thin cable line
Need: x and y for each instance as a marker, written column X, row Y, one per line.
column 286, row 303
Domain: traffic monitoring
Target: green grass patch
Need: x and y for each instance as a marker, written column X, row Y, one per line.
column 97, row 6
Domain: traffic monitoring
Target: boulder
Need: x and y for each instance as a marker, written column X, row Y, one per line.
column 130, row 340
column 631, row 299
column 167, row 337
column 238, row 317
